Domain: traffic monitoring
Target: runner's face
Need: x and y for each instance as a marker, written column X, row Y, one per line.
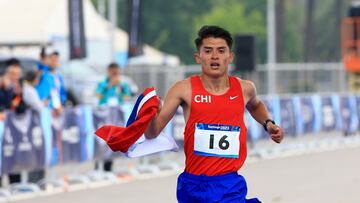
column 214, row 55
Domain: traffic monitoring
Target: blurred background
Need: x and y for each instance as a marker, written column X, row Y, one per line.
column 70, row 66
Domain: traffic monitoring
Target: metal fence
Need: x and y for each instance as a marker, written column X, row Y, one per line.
column 289, row 78
column 303, row 78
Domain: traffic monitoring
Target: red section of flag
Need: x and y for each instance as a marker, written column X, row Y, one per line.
column 121, row 138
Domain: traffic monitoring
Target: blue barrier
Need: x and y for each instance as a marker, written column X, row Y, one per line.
column 287, row 116
column 305, row 114
column 46, row 126
column 350, row 125
column 107, row 115
column 23, row 145
column 328, row 114
column 89, row 131
column 30, row 141
column 73, row 136
column 273, row 105
column 2, row 128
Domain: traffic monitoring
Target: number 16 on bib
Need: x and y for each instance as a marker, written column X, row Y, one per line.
column 217, row 140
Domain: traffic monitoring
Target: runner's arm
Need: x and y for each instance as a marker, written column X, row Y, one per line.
column 166, row 111
column 255, row 106
column 259, row 112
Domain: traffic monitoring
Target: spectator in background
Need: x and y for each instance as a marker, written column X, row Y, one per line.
column 42, row 63
column 53, row 63
column 42, row 88
column 51, row 87
column 33, row 101
column 11, row 96
column 30, row 95
column 10, row 88
column 112, row 91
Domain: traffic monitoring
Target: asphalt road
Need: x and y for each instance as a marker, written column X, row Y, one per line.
column 331, row 177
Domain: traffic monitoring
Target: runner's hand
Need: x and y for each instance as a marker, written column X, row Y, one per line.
column 276, row 133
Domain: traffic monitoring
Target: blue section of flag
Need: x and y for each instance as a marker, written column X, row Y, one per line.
column 133, row 115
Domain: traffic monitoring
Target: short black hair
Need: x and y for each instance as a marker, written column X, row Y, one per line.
column 30, row 75
column 213, row 31
column 12, row 62
column 113, row 66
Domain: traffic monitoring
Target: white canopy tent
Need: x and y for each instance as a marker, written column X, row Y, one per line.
column 41, row 22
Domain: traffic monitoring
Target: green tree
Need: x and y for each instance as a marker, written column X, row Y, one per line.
column 328, row 20
column 310, row 54
column 121, row 11
column 168, row 25
column 238, row 19
column 293, row 32
column 279, row 16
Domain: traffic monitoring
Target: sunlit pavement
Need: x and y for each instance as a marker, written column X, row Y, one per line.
column 298, row 171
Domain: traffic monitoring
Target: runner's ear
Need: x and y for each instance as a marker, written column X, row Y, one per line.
column 197, row 58
column 232, row 56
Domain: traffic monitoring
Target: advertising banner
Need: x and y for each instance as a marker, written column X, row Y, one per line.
column 22, row 145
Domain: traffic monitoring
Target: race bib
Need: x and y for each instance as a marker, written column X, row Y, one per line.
column 217, row 140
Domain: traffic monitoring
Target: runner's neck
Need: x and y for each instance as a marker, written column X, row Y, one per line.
column 217, row 85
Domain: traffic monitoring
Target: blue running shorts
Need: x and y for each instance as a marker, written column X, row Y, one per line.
column 230, row 187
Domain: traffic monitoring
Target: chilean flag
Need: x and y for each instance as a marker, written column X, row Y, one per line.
column 131, row 139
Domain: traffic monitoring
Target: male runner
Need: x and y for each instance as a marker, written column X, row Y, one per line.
column 215, row 134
